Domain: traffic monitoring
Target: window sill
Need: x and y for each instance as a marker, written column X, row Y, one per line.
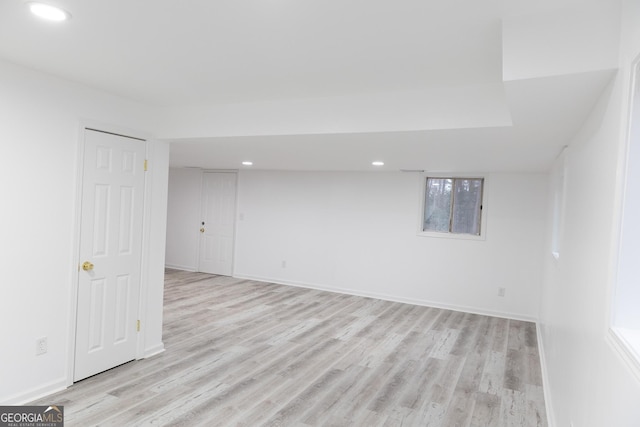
column 450, row 235
column 627, row 343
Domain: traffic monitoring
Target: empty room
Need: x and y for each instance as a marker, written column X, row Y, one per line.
column 296, row 213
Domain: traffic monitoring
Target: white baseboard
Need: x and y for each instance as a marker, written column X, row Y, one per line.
column 548, row 403
column 386, row 297
column 60, row 384
column 36, row 393
column 152, row 351
column 180, row 267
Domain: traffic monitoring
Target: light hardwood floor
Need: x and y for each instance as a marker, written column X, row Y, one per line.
column 248, row 353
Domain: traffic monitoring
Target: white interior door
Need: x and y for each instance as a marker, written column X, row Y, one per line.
column 218, row 223
column 110, row 252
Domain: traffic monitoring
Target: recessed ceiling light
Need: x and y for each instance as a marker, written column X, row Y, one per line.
column 247, row 163
column 377, row 163
column 48, row 12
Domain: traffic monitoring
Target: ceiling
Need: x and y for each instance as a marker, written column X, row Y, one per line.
column 212, row 59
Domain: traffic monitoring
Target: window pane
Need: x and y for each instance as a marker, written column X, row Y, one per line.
column 466, row 206
column 437, row 209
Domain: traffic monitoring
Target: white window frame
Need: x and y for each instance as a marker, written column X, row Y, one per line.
column 624, row 334
column 559, row 180
column 449, row 235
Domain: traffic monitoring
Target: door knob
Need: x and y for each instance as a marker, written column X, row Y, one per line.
column 87, row 266
column 202, row 230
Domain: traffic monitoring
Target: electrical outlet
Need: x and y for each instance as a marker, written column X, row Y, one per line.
column 41, row 346
column 501, row 292
column 284, row 264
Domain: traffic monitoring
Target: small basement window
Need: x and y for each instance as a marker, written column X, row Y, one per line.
column 453, row 206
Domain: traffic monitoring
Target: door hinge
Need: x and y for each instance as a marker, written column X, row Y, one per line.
column 138, row 326
column 146, row 165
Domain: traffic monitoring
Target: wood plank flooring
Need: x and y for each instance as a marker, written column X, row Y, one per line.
column 246, row 353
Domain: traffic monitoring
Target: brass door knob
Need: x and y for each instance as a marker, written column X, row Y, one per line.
column 87, row 266
column 202, row 230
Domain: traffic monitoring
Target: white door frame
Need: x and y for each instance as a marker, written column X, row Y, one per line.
column 146, row 231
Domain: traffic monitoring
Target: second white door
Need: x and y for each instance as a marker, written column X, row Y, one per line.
column 218, row 223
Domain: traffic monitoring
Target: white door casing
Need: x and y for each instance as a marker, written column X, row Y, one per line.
column 111, row 242
column 218, row 223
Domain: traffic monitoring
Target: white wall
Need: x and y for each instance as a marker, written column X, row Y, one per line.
column 183, row 218
column 357, row 233
column 156, row 214
column 587, row 382
column 39, row 130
